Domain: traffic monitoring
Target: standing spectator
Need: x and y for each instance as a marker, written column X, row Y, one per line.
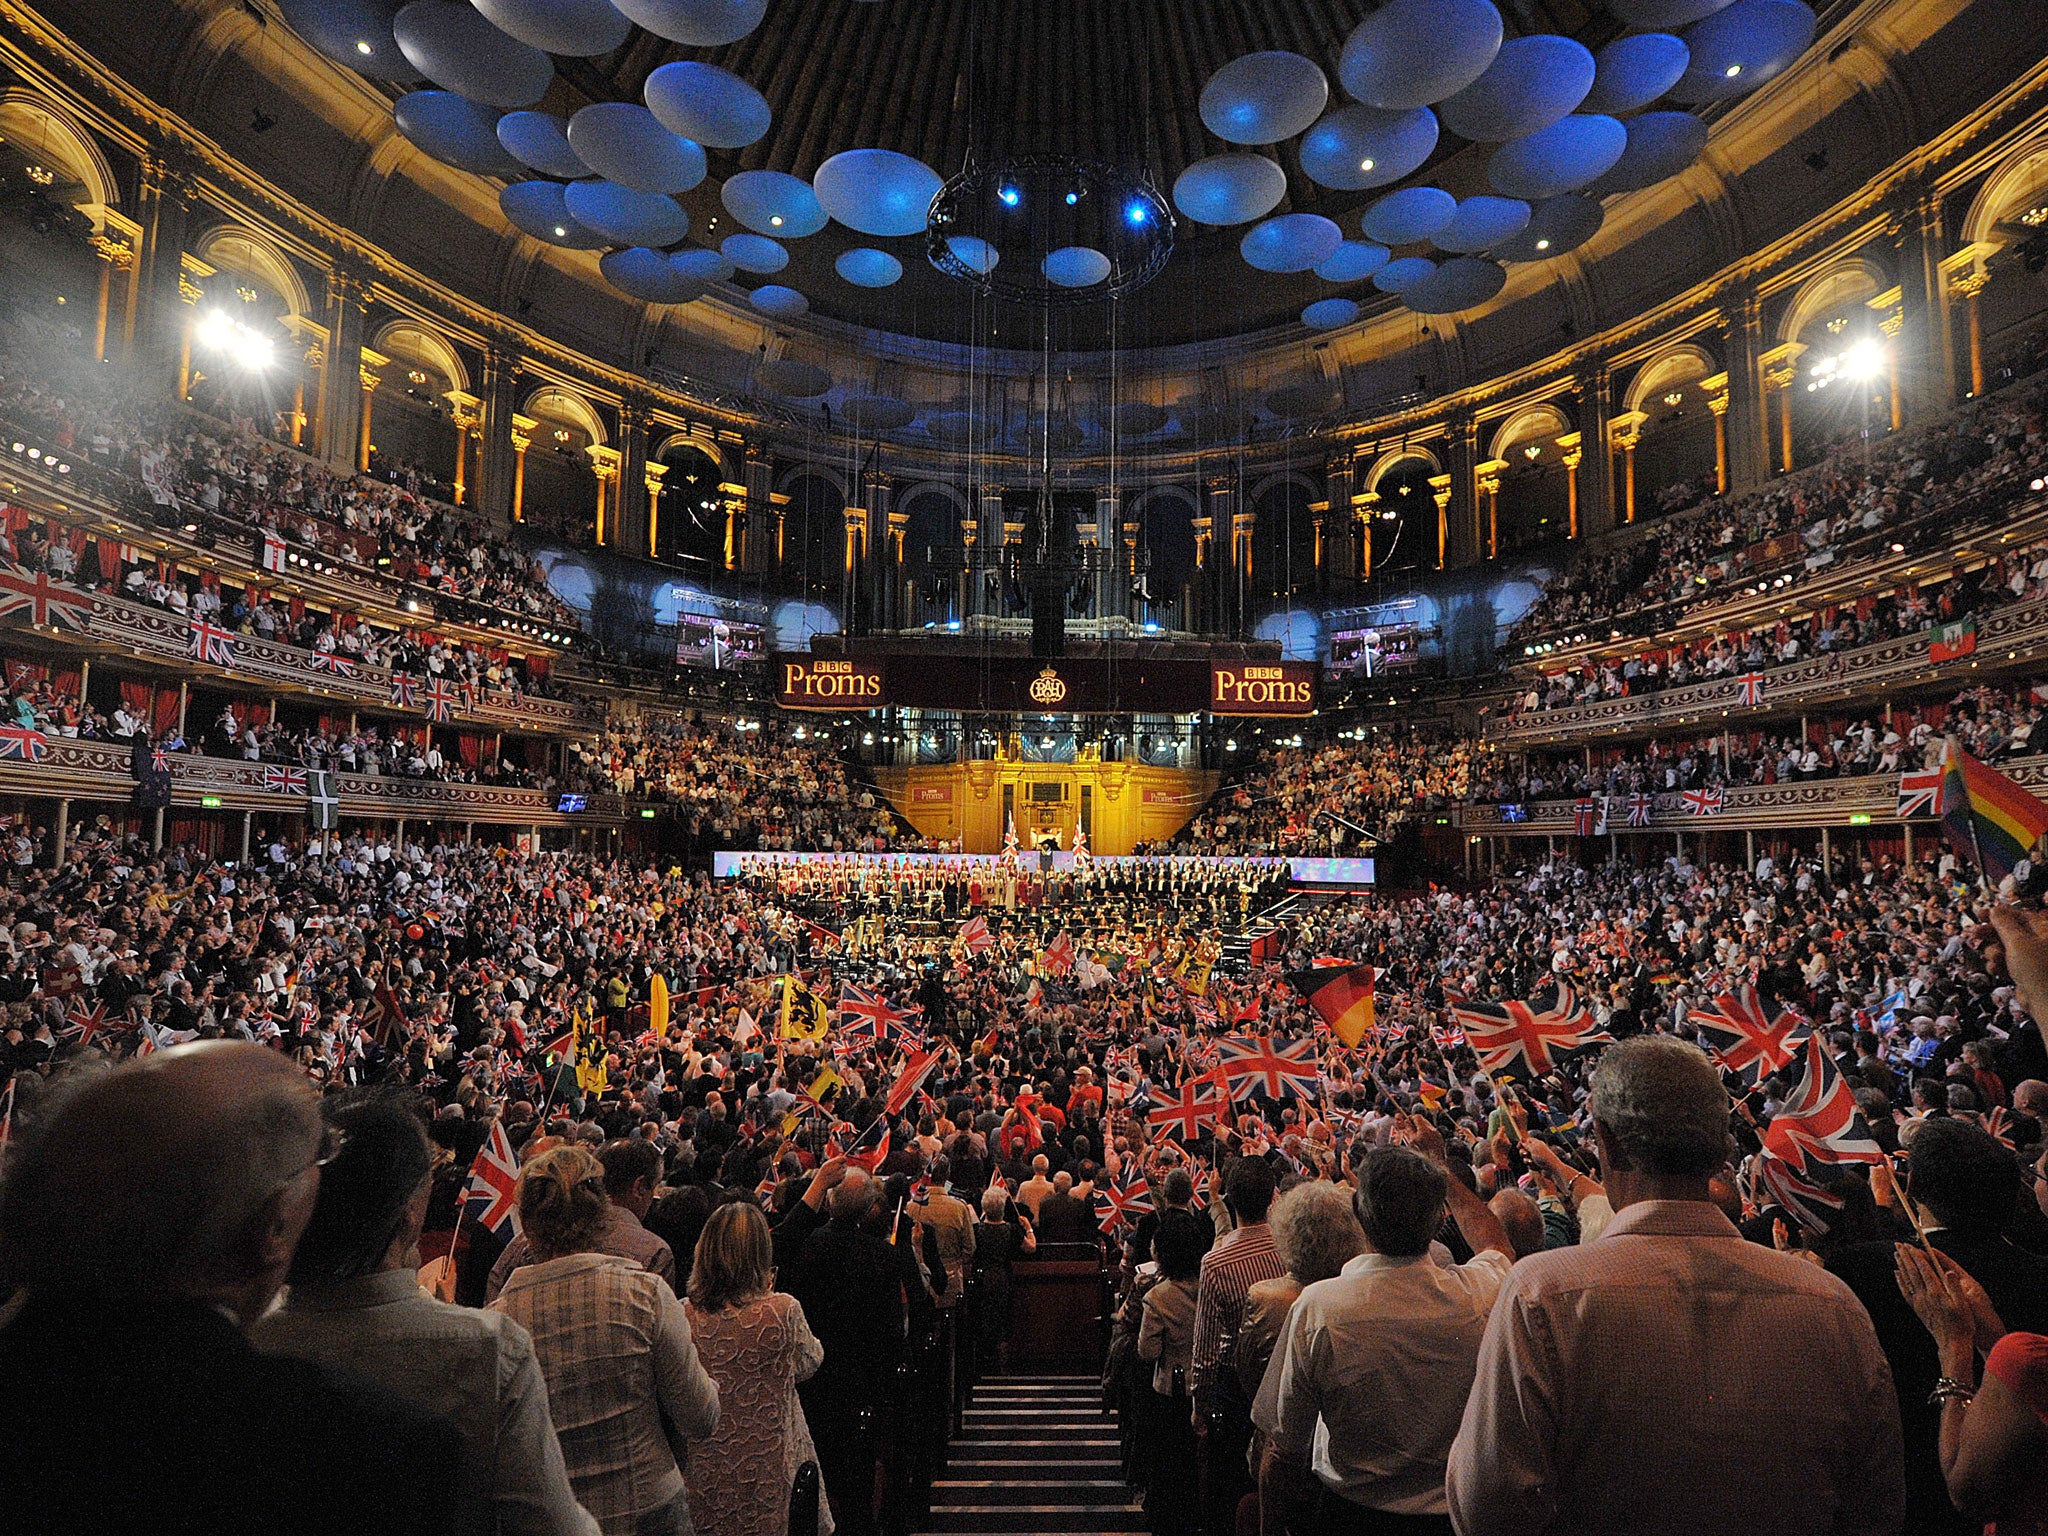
column 631, row 1170
column 1968, row 1185
column 1166, row 1337
column 1002, row 1236
column 1764, row 1382
column 614, row 1343
column 951, row 1220
column 356, row 1305
column 1316, row 1235
column 755, row 1343
column 1240, row 1259
column 1371, row 1374
column 142, row 1227
column 850, row 1282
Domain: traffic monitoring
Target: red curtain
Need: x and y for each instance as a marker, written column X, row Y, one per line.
column 334, row 725
column 110, row 559
column 164, row 716
column 67, row 682
column 248, row 712
column 470, row 747
column 537, row 668
column 136, row 696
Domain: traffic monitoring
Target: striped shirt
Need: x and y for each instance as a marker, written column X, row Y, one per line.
column 1239, row 1261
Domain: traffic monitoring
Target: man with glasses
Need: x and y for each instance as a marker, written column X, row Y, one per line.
column 144, row 1225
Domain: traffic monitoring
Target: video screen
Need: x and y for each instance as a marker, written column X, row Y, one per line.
column 1373, row 651
column 573, row 802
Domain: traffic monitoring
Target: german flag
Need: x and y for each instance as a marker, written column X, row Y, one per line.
column 1985, row 815
column 1342, row 995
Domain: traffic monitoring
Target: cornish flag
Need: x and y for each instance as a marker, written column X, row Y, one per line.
column 492, row 1195
column 285, row 781
column 1703, row 802
column 1919, row 793
column 439, row 701
column 1749, row 688
column 19, row 744
column 210, row 643
column 1639, row 810
column 405, row 690
column 273, row 552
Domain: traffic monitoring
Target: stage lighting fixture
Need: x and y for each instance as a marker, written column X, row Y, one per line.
column 1010, row 195
column 1863, row 361
column 1073, row 198
column 1137, row 213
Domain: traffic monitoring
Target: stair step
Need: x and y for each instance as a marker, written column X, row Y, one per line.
column 982, row 1453
column 1095, row 1493
column 1098, row 1520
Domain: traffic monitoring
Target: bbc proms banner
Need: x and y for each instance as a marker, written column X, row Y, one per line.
column 1027, row 685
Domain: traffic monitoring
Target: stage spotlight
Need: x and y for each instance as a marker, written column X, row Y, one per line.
column 1137, row 213
column 1010, row 196
column 1073, row 198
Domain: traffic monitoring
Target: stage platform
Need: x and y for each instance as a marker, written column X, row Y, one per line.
column 730, row 865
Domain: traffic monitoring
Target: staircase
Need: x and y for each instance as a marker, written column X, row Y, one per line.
column 1034, row 1454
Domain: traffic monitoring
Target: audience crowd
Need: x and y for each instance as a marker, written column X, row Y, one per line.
column 1343, row 1307
column 111, row 423
column 1906, row 490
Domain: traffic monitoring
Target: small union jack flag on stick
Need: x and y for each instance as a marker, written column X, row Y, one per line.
column 492, row 1198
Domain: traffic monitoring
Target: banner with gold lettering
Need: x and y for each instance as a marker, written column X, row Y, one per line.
column 1262, row 687
column 819, row 682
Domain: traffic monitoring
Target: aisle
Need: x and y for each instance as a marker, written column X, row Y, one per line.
column 1034, row 1453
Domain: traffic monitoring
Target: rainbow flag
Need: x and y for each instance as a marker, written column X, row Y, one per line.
column 1986, row 815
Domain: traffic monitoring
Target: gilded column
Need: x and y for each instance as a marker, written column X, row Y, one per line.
column 1574, row 446
column 1628, row 431
column 1486, row 479
column 651, row 475
column 463, row 412
column 605, row 463
column 369, row 374
column 496, row 461
column 1716, row 391
column 520, row 439
column 630, row 517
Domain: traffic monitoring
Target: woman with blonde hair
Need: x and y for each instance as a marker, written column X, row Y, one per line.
column 757, row 1346
column 614, row 1344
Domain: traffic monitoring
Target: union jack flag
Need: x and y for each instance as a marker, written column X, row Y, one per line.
column 328, row 661
column 1251, row 1062
column 1772, row 1180
column 1749, row 688
column 20, row 744
column 1919, row 793
column 440, row 701
column 82, row 1023
column 868, row 1149
column 286, row 781
column 974, row 936
column 917, row 1067
column 405, row 690
column 49, row 604
column 1639, row 810
column 1745, row 1040
column 1500, row 1034
column 1703, row 802
column 210, row 643
column 1819, row 1127
column 1193, row 1106
column 873, row 1018
column 1120, row 1203
column 493, row 1190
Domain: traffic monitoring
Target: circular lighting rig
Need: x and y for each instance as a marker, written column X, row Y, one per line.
column 1024, row 211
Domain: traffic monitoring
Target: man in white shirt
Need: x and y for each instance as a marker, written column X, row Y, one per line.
column 1368, row 1381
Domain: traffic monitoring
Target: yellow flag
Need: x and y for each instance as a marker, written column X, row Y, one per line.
column 804, row 1016
column 1197, row 978
column 657, row 1004
column 591, row 1076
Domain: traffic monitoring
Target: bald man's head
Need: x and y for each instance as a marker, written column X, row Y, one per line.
column 189, row 1174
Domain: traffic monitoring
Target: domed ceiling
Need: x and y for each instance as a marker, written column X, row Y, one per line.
column 1317, row 158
